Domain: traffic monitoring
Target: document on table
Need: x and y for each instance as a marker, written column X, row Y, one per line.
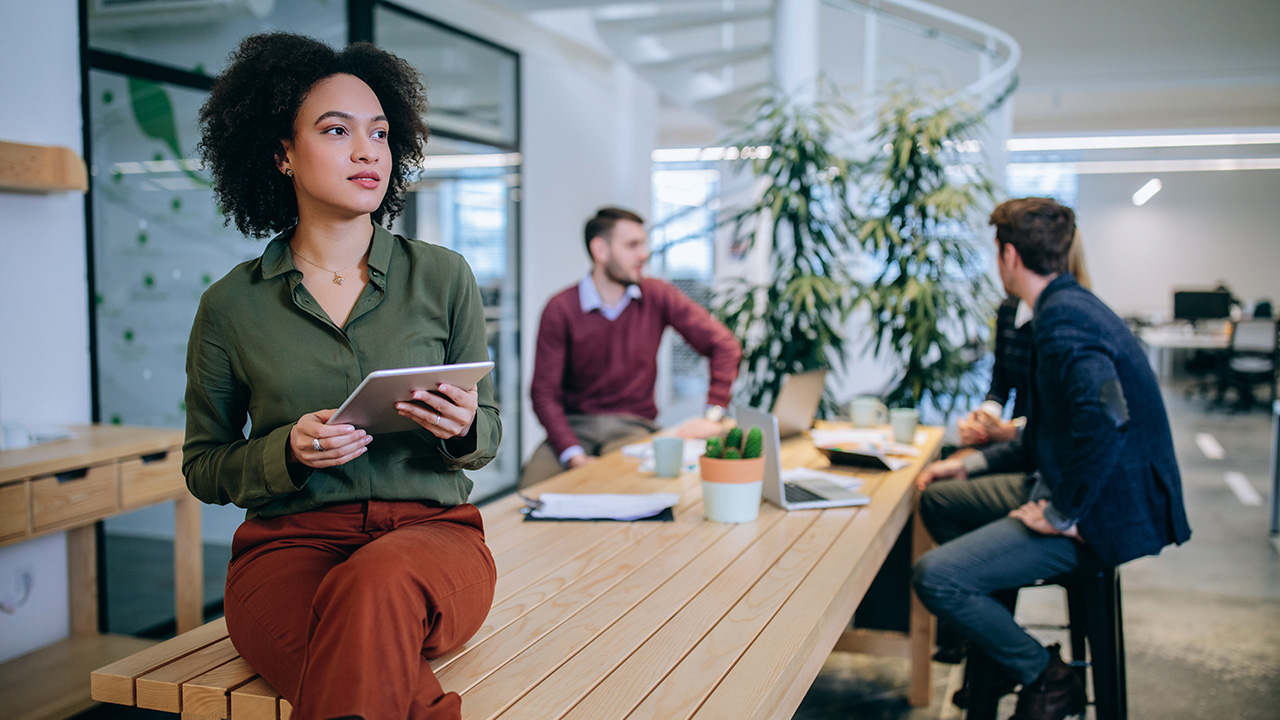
column 881, row 440
column 573, row 506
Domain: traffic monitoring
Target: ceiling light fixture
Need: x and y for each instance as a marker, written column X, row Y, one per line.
column 1146, row 192
column 1139, row 141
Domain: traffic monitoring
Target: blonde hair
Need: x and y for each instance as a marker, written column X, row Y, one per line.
column 1075, row 261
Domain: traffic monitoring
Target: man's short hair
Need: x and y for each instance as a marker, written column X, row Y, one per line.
column 1040, row 229
column 601, row 224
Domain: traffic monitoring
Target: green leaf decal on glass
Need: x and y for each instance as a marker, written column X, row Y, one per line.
column 153, row 111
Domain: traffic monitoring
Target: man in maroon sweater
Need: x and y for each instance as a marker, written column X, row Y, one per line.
column 597, row 356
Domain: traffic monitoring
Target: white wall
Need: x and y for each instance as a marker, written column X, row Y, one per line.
column 588, row 125
column 1202, row 228
column 44, row 306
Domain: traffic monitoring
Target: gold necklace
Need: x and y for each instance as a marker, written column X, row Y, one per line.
column 337, row 279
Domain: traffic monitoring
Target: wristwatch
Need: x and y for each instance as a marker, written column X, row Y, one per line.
column 714, row 413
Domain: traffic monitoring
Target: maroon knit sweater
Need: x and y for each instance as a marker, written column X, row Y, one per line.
column 588, row 365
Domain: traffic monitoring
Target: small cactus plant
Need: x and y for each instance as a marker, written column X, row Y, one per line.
column 733, row 439
column 753, row 446
column 735, row 446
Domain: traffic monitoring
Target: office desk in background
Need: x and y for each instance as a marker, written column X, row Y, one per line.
column 1163, row 340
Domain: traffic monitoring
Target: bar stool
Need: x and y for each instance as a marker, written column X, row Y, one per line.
column 1094, row 615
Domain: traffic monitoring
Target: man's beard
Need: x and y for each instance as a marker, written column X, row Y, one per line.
column 616, row 273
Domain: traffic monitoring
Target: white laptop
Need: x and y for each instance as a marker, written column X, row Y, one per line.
column 805, row 493
column 797, row 401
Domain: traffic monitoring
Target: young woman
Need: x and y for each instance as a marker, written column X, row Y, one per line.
column 359, row 557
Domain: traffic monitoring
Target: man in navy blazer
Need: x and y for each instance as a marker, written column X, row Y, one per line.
column 1091, row 480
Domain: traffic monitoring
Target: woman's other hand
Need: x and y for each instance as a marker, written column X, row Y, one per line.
column 317, row 445
column 446, row 414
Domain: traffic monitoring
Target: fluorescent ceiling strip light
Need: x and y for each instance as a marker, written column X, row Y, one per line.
column 1120, row 167
column 1139, row 141
column 460, row 162
column 708, row 154
column 1147, row 191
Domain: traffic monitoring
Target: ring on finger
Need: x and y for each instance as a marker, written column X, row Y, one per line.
column 435, row 419
column 315, row 445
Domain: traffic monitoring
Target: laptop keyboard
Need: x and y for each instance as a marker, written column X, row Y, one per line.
column 795, row 493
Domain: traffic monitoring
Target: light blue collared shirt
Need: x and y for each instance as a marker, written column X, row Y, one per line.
column 589, row 298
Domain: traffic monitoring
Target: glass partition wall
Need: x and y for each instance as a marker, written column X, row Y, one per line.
column 156, row 239
column 466, row 197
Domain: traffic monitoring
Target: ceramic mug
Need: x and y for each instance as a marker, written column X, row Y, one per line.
column 904, row 422
column 668, row 456
column 868, row 412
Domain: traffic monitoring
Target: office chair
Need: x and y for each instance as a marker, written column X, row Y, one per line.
column 1252, row 359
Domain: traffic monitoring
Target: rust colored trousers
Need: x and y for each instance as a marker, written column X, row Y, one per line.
column 339, row 608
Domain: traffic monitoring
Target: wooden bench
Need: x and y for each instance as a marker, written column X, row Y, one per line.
column 198, row 674
column 596, row 620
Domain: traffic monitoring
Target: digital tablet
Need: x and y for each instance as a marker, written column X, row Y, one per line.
column 372, row 405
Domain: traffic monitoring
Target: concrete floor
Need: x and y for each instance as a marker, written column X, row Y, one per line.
column 1201, row 621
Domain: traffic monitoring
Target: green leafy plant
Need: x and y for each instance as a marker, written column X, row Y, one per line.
column 931, row 297
column 792, row 322
column 737, row 445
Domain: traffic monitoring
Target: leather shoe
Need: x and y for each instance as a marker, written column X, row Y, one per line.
column 1055, row 695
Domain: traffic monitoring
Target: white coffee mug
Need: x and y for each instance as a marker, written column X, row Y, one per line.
column 904, row 422
column 868, row 412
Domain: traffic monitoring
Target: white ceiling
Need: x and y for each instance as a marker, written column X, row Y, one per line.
column 1108, row 65
column 1097, row 65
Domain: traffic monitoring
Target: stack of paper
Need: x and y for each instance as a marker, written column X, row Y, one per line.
column 567, row 506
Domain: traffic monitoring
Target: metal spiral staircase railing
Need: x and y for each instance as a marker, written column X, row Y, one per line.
column 715, row 56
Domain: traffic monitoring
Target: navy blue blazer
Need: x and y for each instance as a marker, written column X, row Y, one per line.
column 1097, row 431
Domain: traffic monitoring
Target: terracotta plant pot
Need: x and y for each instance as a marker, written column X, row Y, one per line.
column 731, row 489
column 731, row 471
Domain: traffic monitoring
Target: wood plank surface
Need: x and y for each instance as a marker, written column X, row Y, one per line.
column 114, row 683
column 50, row 683
column 161, row 689
column 255, row 700
column 773, row 674
column 209, row 692
column 92, row 445
column 682, row 691
column 643, row 644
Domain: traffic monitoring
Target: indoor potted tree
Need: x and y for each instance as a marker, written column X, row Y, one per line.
column 792, row 322
column 931, row 299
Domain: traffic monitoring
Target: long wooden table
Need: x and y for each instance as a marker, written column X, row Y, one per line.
column 595, row 620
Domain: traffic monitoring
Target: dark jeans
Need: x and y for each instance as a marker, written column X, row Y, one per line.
column 982, row 551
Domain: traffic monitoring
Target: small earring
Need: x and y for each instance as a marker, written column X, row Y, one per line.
column 288, row 172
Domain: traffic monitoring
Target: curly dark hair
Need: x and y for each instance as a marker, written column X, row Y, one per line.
column 252, row 108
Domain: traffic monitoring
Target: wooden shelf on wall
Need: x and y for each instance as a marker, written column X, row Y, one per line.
column 41, row 169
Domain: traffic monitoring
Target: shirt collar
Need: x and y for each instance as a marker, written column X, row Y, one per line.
column 590, row 299
column 277, row 259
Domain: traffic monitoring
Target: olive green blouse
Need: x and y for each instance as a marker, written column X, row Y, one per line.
column 263, row 353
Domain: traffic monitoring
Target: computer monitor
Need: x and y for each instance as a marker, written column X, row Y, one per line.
column 1196, row 305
